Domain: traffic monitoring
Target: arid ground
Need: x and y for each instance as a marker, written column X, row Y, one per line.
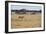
column 28, row 21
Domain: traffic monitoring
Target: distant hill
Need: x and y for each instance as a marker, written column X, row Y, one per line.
column 23, row 11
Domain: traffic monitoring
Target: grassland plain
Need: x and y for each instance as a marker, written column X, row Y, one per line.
column 29, row 21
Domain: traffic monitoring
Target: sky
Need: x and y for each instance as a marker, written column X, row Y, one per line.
column 18, row 7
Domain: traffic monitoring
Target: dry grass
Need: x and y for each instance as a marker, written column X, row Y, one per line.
column 29, row 21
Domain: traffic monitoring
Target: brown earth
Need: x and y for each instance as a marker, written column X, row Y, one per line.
column 28, row 21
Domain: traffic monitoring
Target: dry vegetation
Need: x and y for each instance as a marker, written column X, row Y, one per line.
column 29, row 21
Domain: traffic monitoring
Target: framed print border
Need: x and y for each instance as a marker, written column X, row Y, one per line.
column 6, row 16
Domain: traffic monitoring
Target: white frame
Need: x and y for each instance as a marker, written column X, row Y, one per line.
column 24, row 29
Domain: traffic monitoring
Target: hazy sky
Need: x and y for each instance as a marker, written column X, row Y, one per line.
column 18, row 7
